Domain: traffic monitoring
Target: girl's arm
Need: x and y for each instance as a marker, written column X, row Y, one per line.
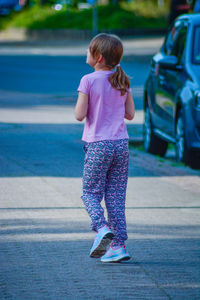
column 129, row 107
column 81, row 107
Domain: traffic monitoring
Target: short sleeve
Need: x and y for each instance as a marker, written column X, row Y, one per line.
column 84, row 86
column 130, row 90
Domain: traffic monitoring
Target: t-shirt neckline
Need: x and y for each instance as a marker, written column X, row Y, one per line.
column 106, row 71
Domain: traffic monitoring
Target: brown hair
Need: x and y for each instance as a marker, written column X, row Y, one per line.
column 111, row 48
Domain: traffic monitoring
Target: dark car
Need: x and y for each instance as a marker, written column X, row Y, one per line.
column 172, row 93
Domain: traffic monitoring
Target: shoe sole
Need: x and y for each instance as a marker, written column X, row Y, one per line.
column 125, row 258
column 102, row 247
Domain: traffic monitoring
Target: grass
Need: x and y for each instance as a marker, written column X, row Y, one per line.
column 134, row 14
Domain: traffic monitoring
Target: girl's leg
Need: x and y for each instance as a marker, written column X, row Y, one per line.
column 115, row 192
column 96, row 164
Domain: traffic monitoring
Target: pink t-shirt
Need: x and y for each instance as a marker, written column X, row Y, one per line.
column 106, row 108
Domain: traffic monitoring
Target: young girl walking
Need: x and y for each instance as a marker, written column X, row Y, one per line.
column 105, row 100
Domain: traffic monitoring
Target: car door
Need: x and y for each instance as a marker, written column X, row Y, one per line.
column 170, row 80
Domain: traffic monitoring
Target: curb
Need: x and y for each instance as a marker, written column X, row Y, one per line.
column 22, row 34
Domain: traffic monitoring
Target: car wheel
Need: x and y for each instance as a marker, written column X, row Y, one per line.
column 183, row 153
column 152, row 143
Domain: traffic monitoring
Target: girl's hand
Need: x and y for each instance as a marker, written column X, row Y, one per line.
column 129, row 107
column 81, row 107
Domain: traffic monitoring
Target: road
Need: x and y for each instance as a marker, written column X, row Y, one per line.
column 45, row 236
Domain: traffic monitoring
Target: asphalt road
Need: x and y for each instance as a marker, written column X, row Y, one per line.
column 44, row 230
column 59, row 75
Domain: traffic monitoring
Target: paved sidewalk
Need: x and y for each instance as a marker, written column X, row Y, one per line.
column 132, row 46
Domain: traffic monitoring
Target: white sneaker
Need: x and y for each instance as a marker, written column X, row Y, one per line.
column 101, row 242
column 116, row 254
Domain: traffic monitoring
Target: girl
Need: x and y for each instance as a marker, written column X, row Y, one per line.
column 105, row 100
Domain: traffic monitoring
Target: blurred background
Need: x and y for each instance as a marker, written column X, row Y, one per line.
column 96, row 15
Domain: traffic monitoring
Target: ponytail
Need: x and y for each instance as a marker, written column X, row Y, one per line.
column 119, row 80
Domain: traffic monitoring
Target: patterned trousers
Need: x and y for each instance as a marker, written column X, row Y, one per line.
column 105, row 175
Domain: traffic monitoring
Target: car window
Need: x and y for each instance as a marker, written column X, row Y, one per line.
column 176, row 40
column 171, row 37
column 196, row 46
column 179, row 44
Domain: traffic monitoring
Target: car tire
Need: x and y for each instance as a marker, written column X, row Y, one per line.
column 152, row 143
column 183, row 153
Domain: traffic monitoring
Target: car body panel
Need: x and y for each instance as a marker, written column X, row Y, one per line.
column 171, row 86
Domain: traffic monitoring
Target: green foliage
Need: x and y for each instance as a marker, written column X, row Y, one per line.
column 147, row 8
column 135, row 14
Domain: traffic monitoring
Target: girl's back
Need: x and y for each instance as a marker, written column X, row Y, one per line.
column 106, row 108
